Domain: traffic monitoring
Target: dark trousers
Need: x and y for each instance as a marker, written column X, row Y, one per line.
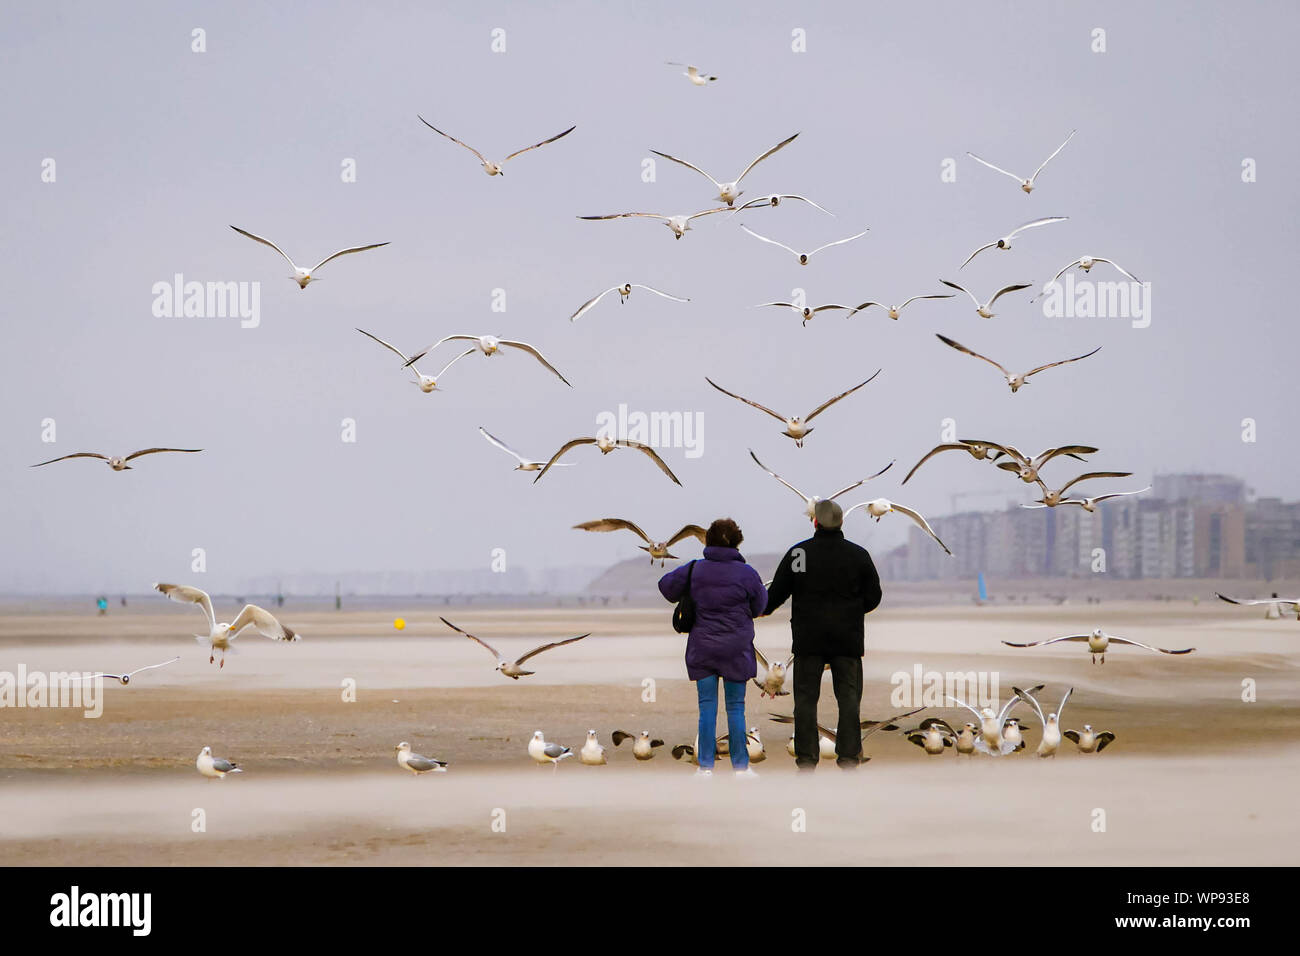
column 846, row 680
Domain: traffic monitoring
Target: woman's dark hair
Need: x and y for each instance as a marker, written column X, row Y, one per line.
column 723, row 533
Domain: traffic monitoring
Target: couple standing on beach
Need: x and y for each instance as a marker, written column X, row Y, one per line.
column 833, row 584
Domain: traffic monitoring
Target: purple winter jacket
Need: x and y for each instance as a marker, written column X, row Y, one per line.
column 728, row 594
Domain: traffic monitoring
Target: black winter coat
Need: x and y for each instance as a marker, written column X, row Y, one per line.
column 833, row 583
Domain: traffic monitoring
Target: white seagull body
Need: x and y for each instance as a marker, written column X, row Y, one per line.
column 300, row 275
column 1089, row 504
column 115, row 462
column 773, row 682
column 658, row 550
column 623, row 291
column 525, row 464
column 490, row 167
column 123, row 679
column 417, row 763
column 796, row 427
column 1086, row 263
column 1026, row 184
column 426, row 383
column 1097, row 641
column 643, row 746
column 592, row 753
column 1090, row 741
column 894, row 310
column 728, row 192
column 606, row 445
column 806, row 312
column 879, row 507
column 490, row 345
column 811, row 500
column 990, row 740
column 1295, row 604
column 1014, row 380
column 1005, row 242
column 544, row 752
column 803, row 257
column 1051, row 499
column 1051, row 722
column 985, row 309
column 980, row 451
column 694, row 75
column 215, row 767
column 680, row 225
column 775, row 199
column 513, row 669
column 220, row 635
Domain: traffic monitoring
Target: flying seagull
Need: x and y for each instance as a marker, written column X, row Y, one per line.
column 985, row 309
column 124, row 679
column 524, row 463
column 1051, row 499
column 642, row 745
column 680, row 224
column 490, row 345
column 980, row 451
column 623, row 291
column 416, row 763
column 1051, row 722
column 221, row 635
column 893, row 310
column 606, row 445
column 803, row 257
column 773, row 682
column 1295, row 604
column 1005, row 242
column 1088, row 504
column 1086, row 263
column 806, row 312
column 729, row 192
column 513, row 669
column 544, row 752
column 1097, row 641
column 811, row 500
column 775, row 199
column 117, row 464
column 658, row 550
column 427, row 383
column 1026, row 184
column 300, row 275
column 215, row 767
column 489, row 167
column 694, row 75
column 879, row 507
column 795, row 427
column 1026, row 467
column 1015, row 381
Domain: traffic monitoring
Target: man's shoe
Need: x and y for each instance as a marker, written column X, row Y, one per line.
column 747, row 772
column 701, row 772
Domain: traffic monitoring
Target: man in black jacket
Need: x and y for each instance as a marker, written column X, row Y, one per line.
column 833, row 583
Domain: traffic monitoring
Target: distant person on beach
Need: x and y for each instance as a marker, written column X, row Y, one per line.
column 728, row 595
column 102, row 604
column 833, row 583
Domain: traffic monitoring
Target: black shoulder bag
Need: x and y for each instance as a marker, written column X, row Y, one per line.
column 684, row 613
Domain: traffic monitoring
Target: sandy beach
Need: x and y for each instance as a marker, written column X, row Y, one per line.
column 1196, row 776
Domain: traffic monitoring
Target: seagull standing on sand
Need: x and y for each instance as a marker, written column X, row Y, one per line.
column 489, row 167
column 1015, row 381
column 643, row 747
column 893, row 310
column 1012, row 732
column 592, row 753
column 215, row 767
column 1090, row 741
column 300, row 275
column 544, row 752
column 754, row 746
column 606, row 445
column 879, row 507
column 1026, row 184
column 1051, row 722
column 623, row 291
column 985, row 309
column 117, row 464
column 795, row 427
column 427, row 383
column 490, row 345
column 658, row 550
column 934, row 738
column 803, row 257
column 513, row 669
column 1005, row 242
column 965, row 740
column 680, row 225
column 417, row 763
column 811, row 500
column 220, row 635
column 1097, row 641
column 729, row 192
column 524, row 463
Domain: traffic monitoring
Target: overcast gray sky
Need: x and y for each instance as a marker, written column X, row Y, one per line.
column 159, row 149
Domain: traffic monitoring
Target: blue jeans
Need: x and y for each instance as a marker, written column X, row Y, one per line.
column 735, row 696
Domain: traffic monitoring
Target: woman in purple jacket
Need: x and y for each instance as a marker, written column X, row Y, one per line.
column 728, row 595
